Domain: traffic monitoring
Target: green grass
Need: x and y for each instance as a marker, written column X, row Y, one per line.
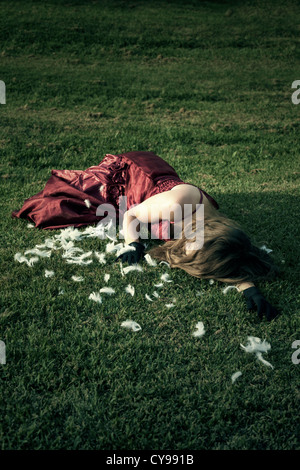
column 207, row 86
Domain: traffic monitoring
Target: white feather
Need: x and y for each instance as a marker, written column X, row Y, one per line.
column 164, row 262
column 30, row 225
column 256, row 346
column 211, row 281
column 111, row 247
column 106, row 277
column 133, row 267
column 49, row 273
column 165, row 278
column 95, row 297
column 81, row 262
column 100, row 257
column 170, row 305
column 160, row 284
column 156, row 294
column 199, row 330
column 48, row 243
column 235, row 376
column 69, row 233
column 131, row 325
column 150, row 260
column 22, row 259
column 32, row 260
column 130, row 289
column 87, row 203
column 107, row 290
column 260, row 358
column 37, row 252
column 70, row 252
column 266, row 249
column 122, row 269
column 148, row 298
column 77, row 278
column 97, row 231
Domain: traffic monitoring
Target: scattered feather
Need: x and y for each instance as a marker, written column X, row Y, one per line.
column 81, row 262
column 160, row 284
column 91, row 231
column 199, row 293
column 170, row 305
column 71, row 252
column 22, row 259
column 37, row 252
column 164, row 262
column 255, row 345
column 133, row 267
column 165, row 278
column 87, row 203
column 235, row 376
column 30, row 225
column 199, row 330
column 49, row 273
column 107, row 290
column 156, row 294
column 61, row 291
column 101, row 188
column 260, row 358
column 131, row 325
column 150, row 260
column 122, row 269
column 77, row 278
column 95, row 297
column 100, row 257
column 228, row 288
column 69, row 233
column 106, row 277
column 48, row 243
column 33, row 260
column 111, row 247
column 211, row 281
column 264, row 248
column 130, row 289
column 148, row 298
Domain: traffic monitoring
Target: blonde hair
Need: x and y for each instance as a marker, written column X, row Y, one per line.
column 227, row 253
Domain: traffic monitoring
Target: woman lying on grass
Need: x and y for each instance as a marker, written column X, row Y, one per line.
column 156, row 196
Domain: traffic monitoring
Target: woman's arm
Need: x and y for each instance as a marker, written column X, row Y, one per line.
column 168, row 205
column 244, row 285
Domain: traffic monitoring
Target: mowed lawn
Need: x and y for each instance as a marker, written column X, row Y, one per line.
column 207, row 86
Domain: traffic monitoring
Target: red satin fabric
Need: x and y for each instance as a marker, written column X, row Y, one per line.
column 136, row 175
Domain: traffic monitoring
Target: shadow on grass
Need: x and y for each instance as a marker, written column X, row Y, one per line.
column 269, row 218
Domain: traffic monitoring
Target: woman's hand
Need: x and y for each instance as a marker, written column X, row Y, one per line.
column 256, row 301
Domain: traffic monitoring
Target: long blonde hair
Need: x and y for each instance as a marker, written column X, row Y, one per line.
column 227, row 253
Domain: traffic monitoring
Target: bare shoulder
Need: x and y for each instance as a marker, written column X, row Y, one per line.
column 192, row 193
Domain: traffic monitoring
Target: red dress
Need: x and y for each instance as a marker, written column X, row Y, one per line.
column 136, row 175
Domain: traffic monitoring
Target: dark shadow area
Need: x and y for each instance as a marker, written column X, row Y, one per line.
column 269, row 218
